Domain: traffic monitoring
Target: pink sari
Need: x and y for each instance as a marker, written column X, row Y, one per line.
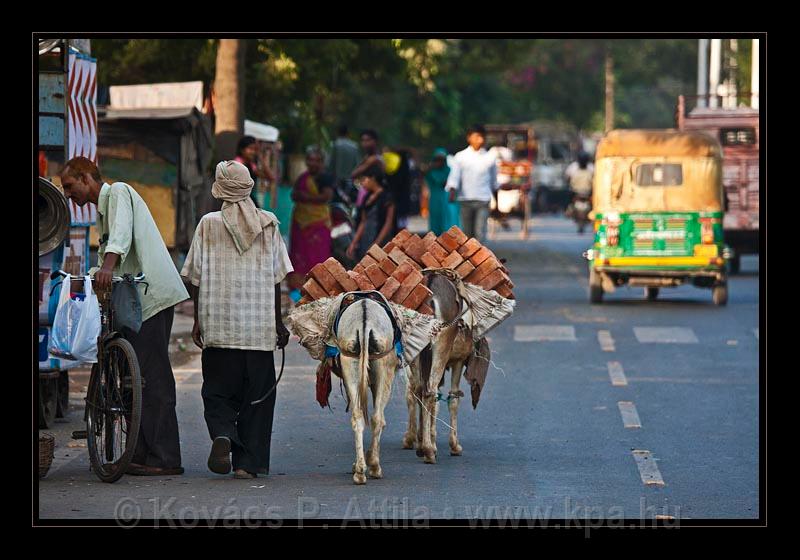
column 310, row 236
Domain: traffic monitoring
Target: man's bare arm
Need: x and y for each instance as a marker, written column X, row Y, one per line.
column 197, row 336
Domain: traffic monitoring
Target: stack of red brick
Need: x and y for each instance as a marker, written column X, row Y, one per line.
column 395, row 269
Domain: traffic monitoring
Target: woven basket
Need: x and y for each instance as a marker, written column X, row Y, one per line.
column 47, row 443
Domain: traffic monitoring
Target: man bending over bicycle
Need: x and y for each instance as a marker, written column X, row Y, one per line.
column 131, row 243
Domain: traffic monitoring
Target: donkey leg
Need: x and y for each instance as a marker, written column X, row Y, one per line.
column 454, row 400
column 428, row 444
column 381, row 393
column 441, row 350
column 410, row 437
column 351, row 374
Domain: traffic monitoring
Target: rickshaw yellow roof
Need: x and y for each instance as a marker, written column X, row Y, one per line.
column 643, row 143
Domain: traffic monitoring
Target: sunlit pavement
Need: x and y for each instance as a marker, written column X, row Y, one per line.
column 628, row 408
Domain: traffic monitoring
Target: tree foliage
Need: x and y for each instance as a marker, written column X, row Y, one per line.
column 423, row 92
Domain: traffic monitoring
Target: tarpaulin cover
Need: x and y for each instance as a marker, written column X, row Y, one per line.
column 184, row 141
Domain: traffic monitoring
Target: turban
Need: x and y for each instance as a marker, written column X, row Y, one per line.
column 242, row 219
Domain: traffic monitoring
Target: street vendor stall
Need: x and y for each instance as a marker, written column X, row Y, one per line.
column 67, row 128
column 162, row 149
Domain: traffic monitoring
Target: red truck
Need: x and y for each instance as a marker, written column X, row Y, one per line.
column 737, row 130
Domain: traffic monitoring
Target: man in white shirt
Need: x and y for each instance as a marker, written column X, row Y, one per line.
column 473, row 181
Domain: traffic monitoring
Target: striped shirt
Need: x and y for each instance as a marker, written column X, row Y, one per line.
column 236, row 295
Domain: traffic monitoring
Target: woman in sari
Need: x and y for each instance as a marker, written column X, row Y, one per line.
column 443, row 213
column 310, row 237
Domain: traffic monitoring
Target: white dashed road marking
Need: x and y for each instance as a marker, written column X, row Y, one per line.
column 630, row 418
column 648, row 469
column 665, row 335
column 544, row 333
column 617, row 374
column 606, row 341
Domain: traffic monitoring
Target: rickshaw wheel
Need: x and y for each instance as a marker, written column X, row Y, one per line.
column 719, row 294
column 651, row 293
column 595, row 286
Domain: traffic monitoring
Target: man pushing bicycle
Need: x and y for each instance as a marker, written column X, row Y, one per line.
column 131, row 243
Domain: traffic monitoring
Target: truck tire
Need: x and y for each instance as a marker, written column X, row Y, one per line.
column 595, row 286
column 651, row 293
column 719, row 294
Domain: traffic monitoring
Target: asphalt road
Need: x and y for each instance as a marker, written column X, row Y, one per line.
column 555, row 434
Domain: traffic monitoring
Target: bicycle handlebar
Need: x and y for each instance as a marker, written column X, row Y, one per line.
column 138, row 278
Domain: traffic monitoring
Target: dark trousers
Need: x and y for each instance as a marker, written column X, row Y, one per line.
column 232, row 379
column 474, row 216
column 158, row 444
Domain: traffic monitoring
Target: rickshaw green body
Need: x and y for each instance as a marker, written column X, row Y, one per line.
column 657, row 210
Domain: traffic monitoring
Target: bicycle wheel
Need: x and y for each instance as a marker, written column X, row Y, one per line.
column 113, row 411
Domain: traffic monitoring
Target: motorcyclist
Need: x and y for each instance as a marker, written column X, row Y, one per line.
column 579, row 177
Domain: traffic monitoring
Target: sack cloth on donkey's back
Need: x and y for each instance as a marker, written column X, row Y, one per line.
column 313, row 324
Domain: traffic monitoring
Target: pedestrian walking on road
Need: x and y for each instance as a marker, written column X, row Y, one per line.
column 473, row 181
column 343, row 159
column 444, row 214
column 247, row 155
column 377, row 218
column 131, row 243
column 310, row 238
column 372, row 158
column 235, row 265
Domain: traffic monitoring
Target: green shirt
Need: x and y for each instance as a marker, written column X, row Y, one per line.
column 127, row 228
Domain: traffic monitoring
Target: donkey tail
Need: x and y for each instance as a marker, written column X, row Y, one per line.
column 363, row 380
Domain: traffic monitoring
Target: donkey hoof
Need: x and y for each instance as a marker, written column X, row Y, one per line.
column 456, row 451
column 375, row 472
column 359, row 478
column 430, row 458
column 408, row 443
column 420, row 452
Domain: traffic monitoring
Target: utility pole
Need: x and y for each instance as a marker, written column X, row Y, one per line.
column 702, row 72
column 715, row 66
column 229, row 96
column 609, row 72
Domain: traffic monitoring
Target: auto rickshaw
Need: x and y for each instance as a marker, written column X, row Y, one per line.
column 657, row 210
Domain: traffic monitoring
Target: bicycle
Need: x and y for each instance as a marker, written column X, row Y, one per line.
column 114, row 395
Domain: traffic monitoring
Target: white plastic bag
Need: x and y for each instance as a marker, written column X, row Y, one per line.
column 76, row 325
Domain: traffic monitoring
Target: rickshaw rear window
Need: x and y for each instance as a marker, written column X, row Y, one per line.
column 659, row 174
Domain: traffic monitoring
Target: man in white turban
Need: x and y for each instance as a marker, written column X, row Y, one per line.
column 234, row 269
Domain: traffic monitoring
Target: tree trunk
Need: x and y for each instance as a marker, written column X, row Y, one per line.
column 609, row 125
column 229, row 96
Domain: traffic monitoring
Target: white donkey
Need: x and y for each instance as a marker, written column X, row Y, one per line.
column 365, row 337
